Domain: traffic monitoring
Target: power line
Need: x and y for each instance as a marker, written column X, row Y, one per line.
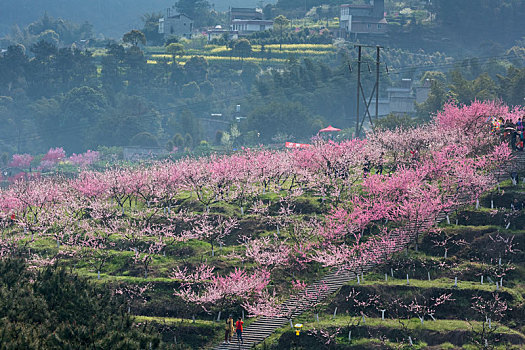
column 32, row 136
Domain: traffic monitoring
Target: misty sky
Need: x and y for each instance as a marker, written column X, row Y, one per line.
column 109, row 17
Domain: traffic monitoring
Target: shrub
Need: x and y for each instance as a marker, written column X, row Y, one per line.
column 144, row 139
column 53, row 309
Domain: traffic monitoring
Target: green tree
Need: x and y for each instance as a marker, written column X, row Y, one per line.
column 144, row 139
column 512, row 86
column 49, row 36
column 190, row 90
column 189, row 124
column 80, row 111
column 249, row 73
column 242, row 48
column 435, row 101
column 58, row 30
column 151, row 28
column 175, row 50
column 54, row 309
column 43, row 50
column 169, row 146
column 281, row 22
column 188, row 141
column 206, row 88
column 196, row 69
column 287, row 117
column 434, row 75
column 172, row 40
column 178, row 140
column 198, row 10
column 129, row 116
column 393, row 121
column 134, row 37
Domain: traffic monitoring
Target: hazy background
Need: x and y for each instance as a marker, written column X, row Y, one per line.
column 109, row 17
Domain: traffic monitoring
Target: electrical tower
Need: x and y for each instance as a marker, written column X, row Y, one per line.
column 361, row 93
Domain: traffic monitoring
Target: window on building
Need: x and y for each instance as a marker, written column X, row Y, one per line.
column 379, row 26
column 369, row 26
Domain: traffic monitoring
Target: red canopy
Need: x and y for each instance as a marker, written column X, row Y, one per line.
column 330, row 129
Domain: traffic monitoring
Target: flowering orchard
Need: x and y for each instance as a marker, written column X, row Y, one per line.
column 49, row 161
column 148, row 213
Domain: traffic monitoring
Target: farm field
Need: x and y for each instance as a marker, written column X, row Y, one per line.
column 410, row 306
column 181, row 245
column 269, row 54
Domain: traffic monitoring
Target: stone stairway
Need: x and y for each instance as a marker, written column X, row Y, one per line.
column 297, row 304
column 516, row 164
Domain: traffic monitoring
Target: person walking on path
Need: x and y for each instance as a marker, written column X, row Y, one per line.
column 228, row 331
column 516, row 205
column 238, row 328
column 366, row 167
column 380, row 164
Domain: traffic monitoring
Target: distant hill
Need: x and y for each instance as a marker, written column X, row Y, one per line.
column 222, row 5
column 109, row 17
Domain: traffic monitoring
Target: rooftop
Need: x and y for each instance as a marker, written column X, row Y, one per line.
column 177, row 16
column 252, row 21
column 245, row 9
column 358, row 6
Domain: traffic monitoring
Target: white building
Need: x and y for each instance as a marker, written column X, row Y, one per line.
column 218, row 31
column 401, row 100
column 248, row 20
column 363, row 19
column 248, row 26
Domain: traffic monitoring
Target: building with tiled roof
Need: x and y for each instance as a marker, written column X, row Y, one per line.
column 365, row 19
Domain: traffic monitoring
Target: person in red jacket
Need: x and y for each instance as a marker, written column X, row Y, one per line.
column 238, row 329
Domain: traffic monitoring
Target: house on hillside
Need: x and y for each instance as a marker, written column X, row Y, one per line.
column 248, row 20
column 245, row 13
column 245, row 27
column 176, row 25
column 368, row 19
column 218, row 32
column 401, row 98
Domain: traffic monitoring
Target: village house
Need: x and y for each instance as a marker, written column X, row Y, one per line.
column 363, row 19
column 248, row 20
column 176, row 25
column 402, row 98
column 218, row 32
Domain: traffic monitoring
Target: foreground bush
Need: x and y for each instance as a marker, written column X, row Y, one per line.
column 54, row 309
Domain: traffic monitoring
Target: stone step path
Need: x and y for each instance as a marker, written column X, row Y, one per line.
column 260, row 329
column 298, row 304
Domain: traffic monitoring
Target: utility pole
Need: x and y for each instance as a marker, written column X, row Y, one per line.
column 378, row 64
column 358, row 91
column 361, row 93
